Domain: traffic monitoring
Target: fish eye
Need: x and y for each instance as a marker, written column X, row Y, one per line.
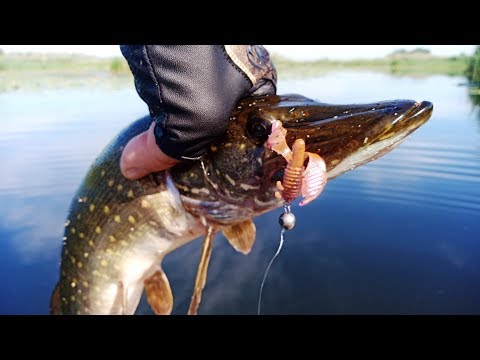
column 259, row 129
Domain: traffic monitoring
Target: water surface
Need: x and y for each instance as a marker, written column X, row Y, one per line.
column 397, row 236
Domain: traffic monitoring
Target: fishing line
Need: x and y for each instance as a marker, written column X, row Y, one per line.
column 268, row 268
column 287, row 222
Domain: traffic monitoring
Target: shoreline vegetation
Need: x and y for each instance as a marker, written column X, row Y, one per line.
column 50, row 71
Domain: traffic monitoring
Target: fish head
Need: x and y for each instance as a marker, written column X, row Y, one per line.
column 241, row 170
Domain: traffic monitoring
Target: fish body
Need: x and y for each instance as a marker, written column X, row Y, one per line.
column 118, row 231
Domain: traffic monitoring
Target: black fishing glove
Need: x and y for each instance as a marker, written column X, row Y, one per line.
column 191, row 90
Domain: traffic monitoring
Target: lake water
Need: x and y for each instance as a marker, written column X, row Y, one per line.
column 400, row 235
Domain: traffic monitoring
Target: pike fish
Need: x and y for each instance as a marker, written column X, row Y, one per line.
column 118, row 231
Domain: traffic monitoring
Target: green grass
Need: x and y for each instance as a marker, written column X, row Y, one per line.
column 473, row 70
column 59, row 62
column 401, row 65
column 35, row 71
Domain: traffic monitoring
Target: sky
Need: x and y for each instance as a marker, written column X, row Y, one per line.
column 295, row 52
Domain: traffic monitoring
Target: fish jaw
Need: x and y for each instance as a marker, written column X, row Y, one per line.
column 348, row 136
column 237, row 177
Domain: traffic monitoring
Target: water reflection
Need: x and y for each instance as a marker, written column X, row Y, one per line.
column 474, row 95
column 398, row 235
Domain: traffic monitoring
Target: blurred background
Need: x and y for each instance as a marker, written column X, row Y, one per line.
column 399, row 235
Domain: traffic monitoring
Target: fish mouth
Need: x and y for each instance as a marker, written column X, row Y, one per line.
column 347, row 136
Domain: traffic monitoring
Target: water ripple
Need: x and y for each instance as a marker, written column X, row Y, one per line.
column 443, row 176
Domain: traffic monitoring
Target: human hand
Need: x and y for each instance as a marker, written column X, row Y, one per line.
column 190, row 90
column 142, row 156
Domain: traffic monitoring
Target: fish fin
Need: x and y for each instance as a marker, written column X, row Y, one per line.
column 202, row 270
column 159, row 294
column 241, row 236
column 56, row 301
column 122, row 296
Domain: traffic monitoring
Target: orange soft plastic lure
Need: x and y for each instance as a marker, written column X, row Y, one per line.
column 297, row 179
